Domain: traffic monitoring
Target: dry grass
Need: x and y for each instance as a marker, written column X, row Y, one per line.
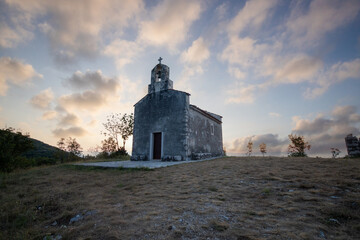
column 230, row 198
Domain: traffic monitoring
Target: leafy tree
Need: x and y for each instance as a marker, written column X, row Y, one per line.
column 335, row 152
column 249, row 147
column 68, row 149
column 73, row 146
column 108, row 145
column 61, row 144
column 262, row 147
column 298, row 146
column 117, row 126
column 12, row 146
column 62, row 154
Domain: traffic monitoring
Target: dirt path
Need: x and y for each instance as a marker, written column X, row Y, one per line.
column 230, row 198
column 139, row 164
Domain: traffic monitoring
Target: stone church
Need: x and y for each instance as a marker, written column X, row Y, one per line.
column 167, row 127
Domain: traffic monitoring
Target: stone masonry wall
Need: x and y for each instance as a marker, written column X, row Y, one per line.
column 205, row 136
column 164, row 112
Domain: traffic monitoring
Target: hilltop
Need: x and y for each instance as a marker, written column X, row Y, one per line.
column 227, row 198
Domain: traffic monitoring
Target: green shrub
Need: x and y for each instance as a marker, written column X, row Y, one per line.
column 12, row 145
column 119, row 153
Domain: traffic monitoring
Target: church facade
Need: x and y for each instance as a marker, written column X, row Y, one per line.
column 167, row 127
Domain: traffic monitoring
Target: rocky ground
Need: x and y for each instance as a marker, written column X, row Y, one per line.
column 229, row 198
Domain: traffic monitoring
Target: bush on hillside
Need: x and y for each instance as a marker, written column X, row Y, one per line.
column 12, row 146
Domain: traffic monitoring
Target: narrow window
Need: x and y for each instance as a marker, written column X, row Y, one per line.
column 158, row 76
column 212, row 129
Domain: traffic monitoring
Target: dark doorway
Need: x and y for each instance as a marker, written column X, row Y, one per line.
column 157, row 146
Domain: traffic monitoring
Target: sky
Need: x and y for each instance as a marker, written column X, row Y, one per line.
column 269, row 67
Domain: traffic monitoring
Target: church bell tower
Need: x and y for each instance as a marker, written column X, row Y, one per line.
column 160, row 80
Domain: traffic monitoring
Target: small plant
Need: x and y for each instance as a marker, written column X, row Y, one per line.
column 262, row 147
column 266, row 191
column 219, row 226
column 213, row 189
column 249, row 148
column 335, row 152
column 298, row 146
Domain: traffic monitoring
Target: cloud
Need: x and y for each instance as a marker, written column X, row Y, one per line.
column 251, row 16
column 298, row 69
column 190, row 72
column 95, row 92
column 274, row 114
column 326, row 132
column 16, row 72
column 193, row 58
column 337, row 73
column 92, row 123
column 318, row 125
column 14, row 27
column 69, row 119
column 93, row 80
column 285, row 56
column 69, row 132
column 9, row 37
column 322, row 17
column 88, row 100
column 222, row 10
column 43, row 99
column 342, row 120
column 323, row 132
column 76, row 28
column 274, row 144
column 343, row 111
column 236, row 72
column 243, row 51
column 168, row 25
column 123, row 51
column 49, row 115
column 196, row 53
column 98, row 91
column 241, row 93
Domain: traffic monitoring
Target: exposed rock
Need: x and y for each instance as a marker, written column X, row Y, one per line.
column 90, row 213
column 76, row 218
column 52, row 237
column 352, row 145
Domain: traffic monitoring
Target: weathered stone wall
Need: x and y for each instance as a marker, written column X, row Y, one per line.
column 204, row 135
column 352, row 145
column 164, row 112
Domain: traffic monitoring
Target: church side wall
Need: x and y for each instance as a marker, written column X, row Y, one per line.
column 164, row 112
column 205, row 136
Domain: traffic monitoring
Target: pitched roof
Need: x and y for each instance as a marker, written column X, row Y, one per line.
column 213, row 116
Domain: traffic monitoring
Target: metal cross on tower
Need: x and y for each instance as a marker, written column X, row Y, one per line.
column 160, row 58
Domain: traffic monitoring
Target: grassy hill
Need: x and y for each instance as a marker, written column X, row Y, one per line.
column 42, row 150
column 227, row 198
